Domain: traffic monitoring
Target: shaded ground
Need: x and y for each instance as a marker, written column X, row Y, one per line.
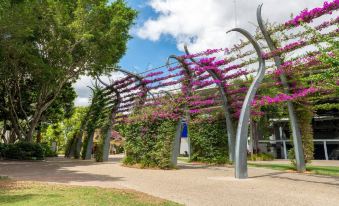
column 191, row 184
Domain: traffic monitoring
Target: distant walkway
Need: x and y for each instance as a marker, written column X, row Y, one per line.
column 190, row 185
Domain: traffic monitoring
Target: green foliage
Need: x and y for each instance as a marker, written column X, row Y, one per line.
column 47, row 150
column 304, row 115
column 209, row 140
column 326, row 78
column 2, row 150
column 45, row 46
column 98, row 116
column 84, row 145
column 23, row 151
column 99, row 151
column 261, row 157
column 149, row 143
column 65, row 130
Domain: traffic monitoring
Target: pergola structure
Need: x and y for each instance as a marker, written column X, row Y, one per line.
column 258, row 62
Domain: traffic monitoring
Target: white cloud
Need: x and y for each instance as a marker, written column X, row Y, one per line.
column 203, row 24
column 206, row 21
column 84, row 92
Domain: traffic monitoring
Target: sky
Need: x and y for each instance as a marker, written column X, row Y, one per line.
column 164, row 26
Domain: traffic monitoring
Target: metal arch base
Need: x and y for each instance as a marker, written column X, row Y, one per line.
column 228, row 116
column 296, row 134
column 243, row 124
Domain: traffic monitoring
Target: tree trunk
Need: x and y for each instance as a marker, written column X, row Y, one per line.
column 78, row 144
column 38, row 135
column 3, row 135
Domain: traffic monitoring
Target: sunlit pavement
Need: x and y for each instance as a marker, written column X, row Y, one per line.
column 191, row 184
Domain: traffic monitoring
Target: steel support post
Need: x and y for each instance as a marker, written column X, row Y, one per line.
column 296, row 134
column 325, row 150
column 243, row 124
column 227, row 113
column 176, row 144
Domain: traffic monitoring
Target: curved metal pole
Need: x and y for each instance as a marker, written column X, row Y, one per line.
column 188, row 92
column 296, row 134
column 243, row 124
column 91, row 136
column 114, row 111
column 227, row 110
column 167, row 93
column 143, row 84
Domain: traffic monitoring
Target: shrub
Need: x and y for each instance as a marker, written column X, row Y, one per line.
column 149, row 143
column 48, row 151
column 261, row 157
column 24, row 151
column 99, row 150
column 209, row 140
column 2, row 150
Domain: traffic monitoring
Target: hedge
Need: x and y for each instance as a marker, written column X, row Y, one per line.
column 209, row 139
column 22, row 151
column 149, row 143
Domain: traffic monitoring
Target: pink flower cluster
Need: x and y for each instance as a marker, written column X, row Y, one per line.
column 236, row 91
column 164, row 84
column 202, row 102
column 267, row 100
column 305, row 62
column 205, row 83
column 152, row 74
column 307, row 16
column 204, row 53
column 148, row 81
column 287, row 48
column 237, row 74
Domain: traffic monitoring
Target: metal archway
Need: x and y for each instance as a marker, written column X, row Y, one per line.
column 89, row 145
column 228, row 116
column 143, row 85
column 243, row 124
column 113, row 114
column 186, row 118
column 296, row 134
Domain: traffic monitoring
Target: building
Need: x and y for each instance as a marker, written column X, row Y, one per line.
column 325, row 133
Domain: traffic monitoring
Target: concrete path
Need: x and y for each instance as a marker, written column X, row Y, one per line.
column 190, row 185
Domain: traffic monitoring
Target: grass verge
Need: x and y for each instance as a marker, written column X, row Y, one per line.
column 320, row 170
column 22, row 193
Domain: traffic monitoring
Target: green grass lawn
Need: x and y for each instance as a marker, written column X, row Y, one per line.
column 13, row 193
column 183, row 159
column 321, row 170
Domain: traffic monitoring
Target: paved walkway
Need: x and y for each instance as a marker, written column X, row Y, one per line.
column 190, row 185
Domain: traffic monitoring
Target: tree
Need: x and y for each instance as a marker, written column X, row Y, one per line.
column 46, row 45
column 63, row 130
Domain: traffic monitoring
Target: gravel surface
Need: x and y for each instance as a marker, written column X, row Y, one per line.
column 190, row 185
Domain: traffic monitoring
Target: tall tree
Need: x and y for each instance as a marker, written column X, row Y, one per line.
column 45, row 45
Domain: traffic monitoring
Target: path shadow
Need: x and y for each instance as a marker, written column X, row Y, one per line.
column 203, row 166
column 58, row 170
column 297, row 177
